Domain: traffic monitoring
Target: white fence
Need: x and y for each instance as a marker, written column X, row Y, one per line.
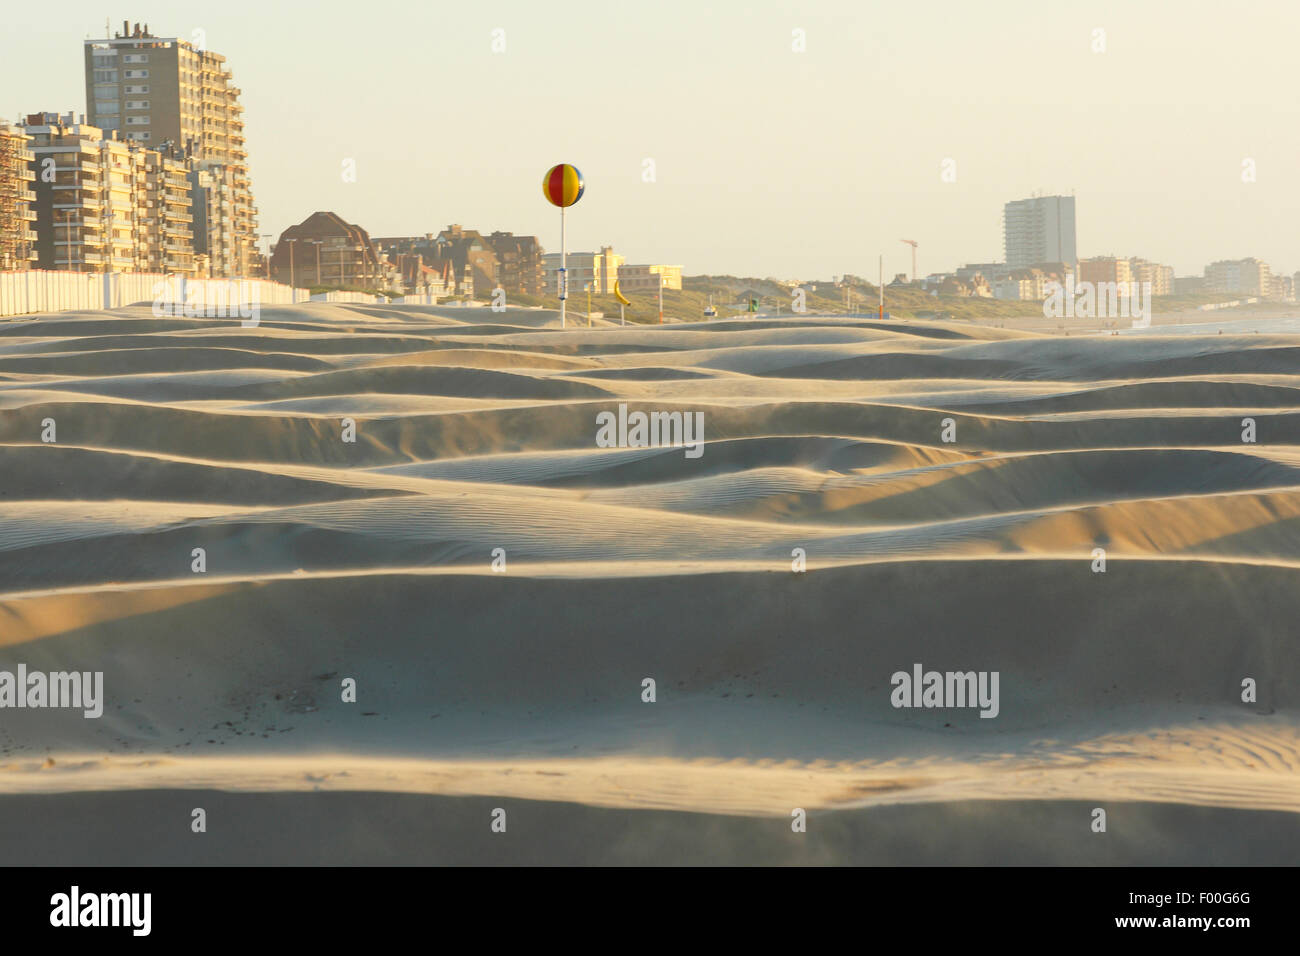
column 23, row 293
column 349, row 297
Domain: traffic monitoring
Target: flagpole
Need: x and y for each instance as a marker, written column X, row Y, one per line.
column 880, row 281
column 564, row 278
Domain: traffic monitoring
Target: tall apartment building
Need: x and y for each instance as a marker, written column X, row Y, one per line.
column 17, row 234
column 1040, row 229
column 154, row 90
column 106, row 205
column 1245, row 276
column 165, row 234
column 85, row 196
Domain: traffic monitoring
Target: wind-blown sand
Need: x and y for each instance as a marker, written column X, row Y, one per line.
column 476, row 431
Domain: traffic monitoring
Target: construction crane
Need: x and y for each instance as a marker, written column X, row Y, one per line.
column 912, row 243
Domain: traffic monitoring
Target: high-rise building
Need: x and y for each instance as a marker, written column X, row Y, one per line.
column 163, row 90
column 106, row 205
column 85, row 196
column 17, row 235
column 1040, row 229
column 165, row 240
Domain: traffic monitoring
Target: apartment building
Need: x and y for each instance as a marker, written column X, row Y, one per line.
column 17, row 217
column 473, row 257
column 102, row 204
column 1244, row 276
column 1039, row 229
column 85, row 196
column 1104, row 269
column 519, row 263
column 647, row 278
column 1160, row 277
column 165, row 240
column 155, row 90
column 213, row 193
column 582, row 268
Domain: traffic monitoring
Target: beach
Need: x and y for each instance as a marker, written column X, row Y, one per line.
column 381, row 563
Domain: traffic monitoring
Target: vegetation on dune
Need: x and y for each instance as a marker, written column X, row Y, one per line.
column 729, row 298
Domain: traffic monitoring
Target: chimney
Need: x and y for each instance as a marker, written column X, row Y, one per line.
column 126, row 28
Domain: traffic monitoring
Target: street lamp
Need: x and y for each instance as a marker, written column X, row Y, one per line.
column 293, row 289
column 317, row 243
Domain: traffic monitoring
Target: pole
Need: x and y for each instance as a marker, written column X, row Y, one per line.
column 622, row 314
column 564, row 278
column 293, row 289
column 880, row 282
column 661, row 300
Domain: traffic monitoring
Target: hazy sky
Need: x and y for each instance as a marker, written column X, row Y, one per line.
column 767, row 161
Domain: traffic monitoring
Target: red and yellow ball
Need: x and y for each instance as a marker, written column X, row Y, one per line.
column 563, row 185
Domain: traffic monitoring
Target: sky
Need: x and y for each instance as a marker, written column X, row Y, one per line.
column 708, row 137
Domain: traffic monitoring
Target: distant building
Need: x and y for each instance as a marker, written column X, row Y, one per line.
column 475, row 262
column 991, row 271
column 1160, row 277
column 600, row 268
column 974, row 287
column 17, row 217
column 1040, row 229
column 323, row 250
column 1189, row 285
column 103, row 204
column 647, row 278
column 1243, row 276
column 1101, row 269
column 519, row 263
column 1281, row 289
column 86, row 208
column 153, row 90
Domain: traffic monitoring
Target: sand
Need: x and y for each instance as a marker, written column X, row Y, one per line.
column 522, row 688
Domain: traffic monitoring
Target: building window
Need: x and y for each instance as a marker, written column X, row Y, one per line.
column 137, row 104
column 137, row 89
column 137, row 74
column 106, row 107
column 136, row 58
column 106, row 76
column 137, row 121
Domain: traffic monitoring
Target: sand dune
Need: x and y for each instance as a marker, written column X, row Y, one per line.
column 823, row 437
